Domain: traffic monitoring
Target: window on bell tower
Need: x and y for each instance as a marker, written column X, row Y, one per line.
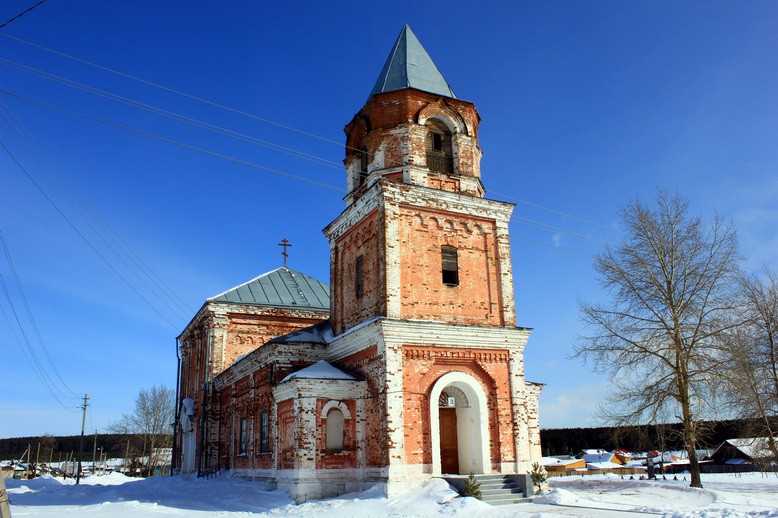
column 364, row 160
column 440, row 155
column 359, row 277
column 450, row 266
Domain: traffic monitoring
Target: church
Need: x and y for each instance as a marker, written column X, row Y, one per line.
column 409, row 364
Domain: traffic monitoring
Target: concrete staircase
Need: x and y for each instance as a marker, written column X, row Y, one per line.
column 496, row 489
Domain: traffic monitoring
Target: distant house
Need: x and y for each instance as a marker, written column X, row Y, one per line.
column 563, row 463
column 753, row 450
column 623, row 456
column 600, row 459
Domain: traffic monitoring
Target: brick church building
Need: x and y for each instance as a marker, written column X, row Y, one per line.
column 409, row 365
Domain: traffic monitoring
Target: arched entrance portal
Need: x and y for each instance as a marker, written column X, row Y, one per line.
column 459, row 425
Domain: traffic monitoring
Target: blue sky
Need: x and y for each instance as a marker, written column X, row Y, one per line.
column 584, row 105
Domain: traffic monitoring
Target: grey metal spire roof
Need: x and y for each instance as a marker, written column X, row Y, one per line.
column 281, row 288
column 409, row 66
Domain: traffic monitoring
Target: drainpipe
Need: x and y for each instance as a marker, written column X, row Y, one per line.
column 178, row 411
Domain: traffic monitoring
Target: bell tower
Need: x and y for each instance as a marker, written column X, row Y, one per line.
column 417, row 240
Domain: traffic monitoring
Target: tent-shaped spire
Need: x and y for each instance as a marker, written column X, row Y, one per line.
column 409, row 66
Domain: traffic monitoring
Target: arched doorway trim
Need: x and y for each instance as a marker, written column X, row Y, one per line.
column 478, row 419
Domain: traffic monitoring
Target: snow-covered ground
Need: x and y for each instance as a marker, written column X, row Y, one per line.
column 116, row 496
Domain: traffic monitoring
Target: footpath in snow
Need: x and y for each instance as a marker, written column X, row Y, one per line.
column 117, row 496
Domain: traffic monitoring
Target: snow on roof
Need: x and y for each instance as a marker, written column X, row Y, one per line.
column 598, row 457
column 556, row 461
column 320, row 333
column 596, row 451
column 753, row 447
column 319, row 370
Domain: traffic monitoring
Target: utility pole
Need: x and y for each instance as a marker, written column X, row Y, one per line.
column 94, row 455
column 81, row 443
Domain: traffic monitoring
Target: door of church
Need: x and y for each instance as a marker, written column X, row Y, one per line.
column 449, row 454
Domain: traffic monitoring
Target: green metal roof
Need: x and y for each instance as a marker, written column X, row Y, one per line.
column 409, row 66
column 281, row 288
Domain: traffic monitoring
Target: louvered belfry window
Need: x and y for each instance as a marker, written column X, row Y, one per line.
column 450, row 267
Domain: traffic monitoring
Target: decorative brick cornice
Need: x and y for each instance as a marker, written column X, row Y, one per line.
column 443, row 355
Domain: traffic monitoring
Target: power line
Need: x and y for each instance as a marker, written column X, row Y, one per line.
column 268, row 121
column 554, row 211
column 29, row 354
column 30, row 316
column 172, row 115
column 177, row 92
column 182, row 313
column 552, row 248
column 551, row 228
column 74, row 194
column 84, row 238
column 175, row 142
column 22, row 14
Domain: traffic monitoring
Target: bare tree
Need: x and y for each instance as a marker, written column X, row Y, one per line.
column 151, row 418
column 751, row 360
column 670, row 284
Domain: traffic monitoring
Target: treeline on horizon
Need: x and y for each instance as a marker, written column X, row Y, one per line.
column 59, row 448
column 659, row 437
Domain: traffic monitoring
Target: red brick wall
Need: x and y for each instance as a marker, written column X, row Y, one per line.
column 370, row 365
column 362, row 239
column 286, row 434
column 247, row 332
column 477, row 298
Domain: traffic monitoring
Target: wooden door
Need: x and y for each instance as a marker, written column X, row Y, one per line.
column 449, row 453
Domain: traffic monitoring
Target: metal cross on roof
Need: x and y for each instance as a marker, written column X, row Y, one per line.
column 284, row 243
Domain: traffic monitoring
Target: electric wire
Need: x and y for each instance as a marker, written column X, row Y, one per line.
column 268, row 121
column 29, row 352
column 82, row 201
column 552, row 248
column 295, row 177
column 553, row 229
column 180, row 313
column 172, row 115
column 554, row 211
column 175, row 142
column 84, row 238
column 21, row 14
column 177, row 92
column 28, row 310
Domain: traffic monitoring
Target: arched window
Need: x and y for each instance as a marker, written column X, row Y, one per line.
column 450, row 266
column 334, row 429
column 440, row 151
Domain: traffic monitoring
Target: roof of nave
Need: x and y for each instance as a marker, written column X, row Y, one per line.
column 280, row 288
column 409, row 66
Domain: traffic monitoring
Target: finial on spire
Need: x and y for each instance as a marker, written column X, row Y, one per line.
column 284, row 243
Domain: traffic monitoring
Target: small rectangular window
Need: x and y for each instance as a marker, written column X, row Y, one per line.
column 450, row 266
column 359, row 275
column 244, row 435
column 264, row 433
